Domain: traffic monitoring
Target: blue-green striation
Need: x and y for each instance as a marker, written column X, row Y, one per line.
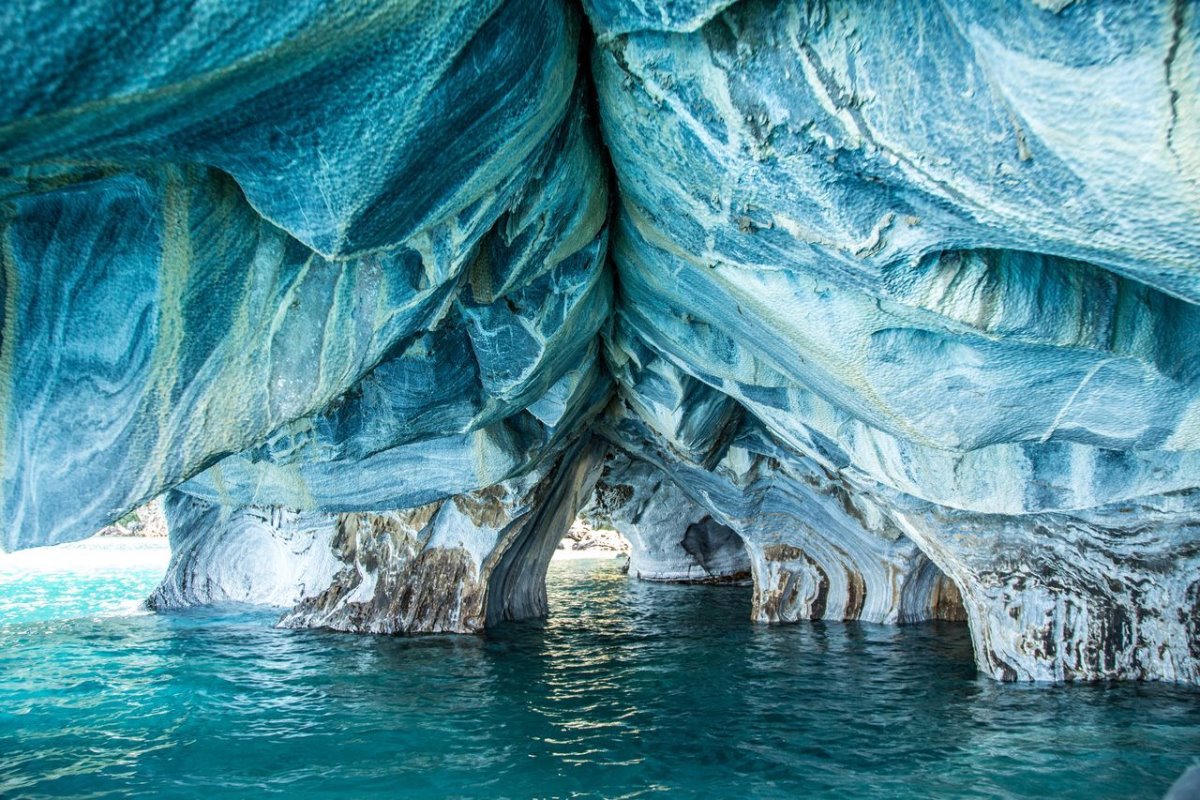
column 891, row 310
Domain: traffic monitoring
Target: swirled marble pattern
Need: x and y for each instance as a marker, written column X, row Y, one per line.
column 894, row 309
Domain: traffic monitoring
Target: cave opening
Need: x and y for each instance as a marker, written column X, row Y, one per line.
column 868, row 323
column 604, row 580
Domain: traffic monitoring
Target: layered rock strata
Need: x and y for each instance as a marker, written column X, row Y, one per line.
column 814, row 547
column 922, row 281
column 900, row 305
column 200, row 253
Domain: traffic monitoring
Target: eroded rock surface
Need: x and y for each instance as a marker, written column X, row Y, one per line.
column 914, row 266
column 671, row 537
column 451, row 565
column 263, row 556
column 202, row 251
column 895, row 308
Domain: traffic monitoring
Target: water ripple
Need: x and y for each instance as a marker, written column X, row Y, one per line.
column 628, row 690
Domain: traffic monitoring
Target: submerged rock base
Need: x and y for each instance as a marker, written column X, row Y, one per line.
column 448, row 566
column 1112, row 593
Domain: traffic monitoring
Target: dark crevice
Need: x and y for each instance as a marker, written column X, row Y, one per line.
column 1178, row 9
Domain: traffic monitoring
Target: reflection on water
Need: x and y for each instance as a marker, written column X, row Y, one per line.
column 629, row 689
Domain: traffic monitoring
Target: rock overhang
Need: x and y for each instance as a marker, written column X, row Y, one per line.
column 900, row 298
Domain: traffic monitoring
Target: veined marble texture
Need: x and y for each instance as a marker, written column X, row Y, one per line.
column 451, row 565
column 159, row 318
column 905, row 242
column 894, row 309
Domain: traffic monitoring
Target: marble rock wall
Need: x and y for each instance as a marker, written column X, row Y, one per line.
column 813, row 547
column 672, row 538
column 220, row 233
column 451, row 565
column 940, row 261
column 895, row 307
column 1111, row 593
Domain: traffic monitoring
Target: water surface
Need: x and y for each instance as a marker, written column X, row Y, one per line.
column 628, row 690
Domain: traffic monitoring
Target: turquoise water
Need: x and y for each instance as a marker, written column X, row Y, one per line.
column 628, row 690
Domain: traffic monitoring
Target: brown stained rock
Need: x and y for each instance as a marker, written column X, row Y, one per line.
column 779, row 596
column 769, row 598
column 782, row 552
column 946, row 602
column 439, row 592
column 375, row 539
column 417, row 519
column 817, row 607
column 412, row 589
column 856, row 587
column 409, row 571
column 485, row 507
column 436, row 591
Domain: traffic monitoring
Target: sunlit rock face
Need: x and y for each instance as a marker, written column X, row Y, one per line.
column 263, row 556
column 945, row 258
column 900, row 304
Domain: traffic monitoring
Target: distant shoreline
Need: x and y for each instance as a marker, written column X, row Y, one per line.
column 562, row 554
